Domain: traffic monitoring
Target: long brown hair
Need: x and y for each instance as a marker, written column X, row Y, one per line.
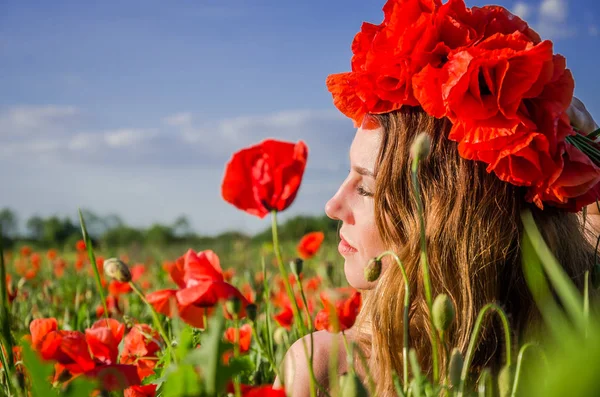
column 473, row 232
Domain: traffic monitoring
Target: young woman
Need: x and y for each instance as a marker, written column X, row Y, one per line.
column 497, row 126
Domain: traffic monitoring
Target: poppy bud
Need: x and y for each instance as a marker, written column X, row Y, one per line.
column 351, row 386
column 117, row 269
column 505, row 380
column 455, row 367
column 280, row 336
column 421, row 146
column 251, row 312
column 373, row 270
column 443, row 312
column 233, row 305
column 296, row 266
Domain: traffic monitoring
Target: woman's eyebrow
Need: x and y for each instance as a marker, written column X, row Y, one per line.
column 363, row 171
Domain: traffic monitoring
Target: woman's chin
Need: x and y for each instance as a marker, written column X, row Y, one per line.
column 355, row 275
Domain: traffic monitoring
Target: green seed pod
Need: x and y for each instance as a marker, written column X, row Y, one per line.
column 351, row 386
column 455, row 367
column 233, row 305
column 251, row 311
column 373, row 270
column 296, row 266
column 443, row 312
column 505, row 380
column 117, row 269
column 421, row 146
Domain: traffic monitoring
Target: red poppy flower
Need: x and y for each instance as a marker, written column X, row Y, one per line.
column 257, row 391
column 80, row 246
column 343, row 304
column 141, row 347
column 245, row 337
column 201, row 285
column 25, row 251
column 310, row 244
column 103, row 338
column 140, row 391
column 265, row 177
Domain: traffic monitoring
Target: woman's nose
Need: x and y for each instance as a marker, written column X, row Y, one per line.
column 337, row 208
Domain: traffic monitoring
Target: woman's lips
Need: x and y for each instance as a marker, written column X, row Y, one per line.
column 345, row 248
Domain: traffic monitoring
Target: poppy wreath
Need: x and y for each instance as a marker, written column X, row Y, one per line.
column 502, row 87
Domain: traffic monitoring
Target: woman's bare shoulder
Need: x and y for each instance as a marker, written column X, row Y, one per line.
column 295, row 363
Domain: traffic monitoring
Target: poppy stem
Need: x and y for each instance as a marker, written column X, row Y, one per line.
column 7, row 342
column 236, row 353
column 406, row 317
column 284, row 274
column 425, row 265
column 92, row 258
column 155, row 318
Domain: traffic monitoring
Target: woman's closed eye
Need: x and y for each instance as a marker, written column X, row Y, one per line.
column 363, row 192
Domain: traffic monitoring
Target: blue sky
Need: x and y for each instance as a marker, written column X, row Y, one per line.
column 134, row 107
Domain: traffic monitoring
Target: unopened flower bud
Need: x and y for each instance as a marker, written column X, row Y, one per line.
column 421, row 146
column 280, row 336
column 296, row 266
column 443, row 312
column 351, row 386
column 373, row 270
column 117, row 269
column 251, row 312
column 455, row 367
column 233, row 305
column 505, row 381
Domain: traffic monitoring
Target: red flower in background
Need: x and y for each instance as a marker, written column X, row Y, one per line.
column 257, row 391
column 265, row 177
column 201, row 285
column 310, row 244
column 343, row 303
column 141, row 347
column 80, row 246
column 245, row 337
column 93, row 354
column 140, row 391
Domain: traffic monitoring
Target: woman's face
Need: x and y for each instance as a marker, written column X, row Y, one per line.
column 353, row 204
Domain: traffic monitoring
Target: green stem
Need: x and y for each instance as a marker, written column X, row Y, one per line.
column 284, row 274
column 349, row 355
column 92, row 257
column 265, row 351
column 157, row 322
column 406, row 317
column 558, row 277
column 365, row 364
column 522, row 351
column 236, row 354
column 425, row 267
column 475, row 337
column 313, row 378
column 7, row 341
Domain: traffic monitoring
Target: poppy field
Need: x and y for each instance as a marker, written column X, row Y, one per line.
column 79, row 322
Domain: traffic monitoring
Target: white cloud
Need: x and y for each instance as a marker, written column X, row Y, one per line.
column 28, row 120
column 131, row 170
column 554, row 10
column 127, row 137
column 522, row 9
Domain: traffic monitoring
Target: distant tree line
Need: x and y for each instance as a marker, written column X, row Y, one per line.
column 112, row 231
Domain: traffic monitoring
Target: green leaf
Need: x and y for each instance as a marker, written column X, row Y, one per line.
column 80, row 386
column 182, row 381
column 39, row 372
